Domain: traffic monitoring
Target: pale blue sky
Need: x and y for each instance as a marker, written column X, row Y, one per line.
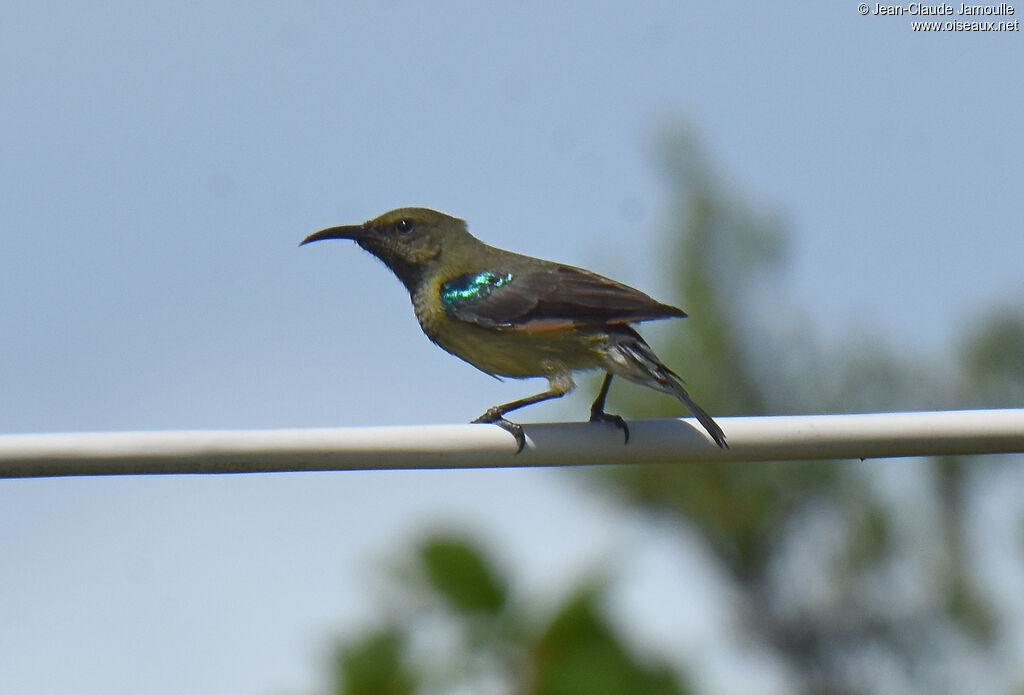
column 161, row 162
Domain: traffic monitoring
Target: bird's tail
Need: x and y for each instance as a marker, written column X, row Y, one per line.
column 629, row 356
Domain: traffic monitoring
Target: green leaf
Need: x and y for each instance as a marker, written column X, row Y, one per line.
column 579, row 653
column 373, row 666
column 458, row 571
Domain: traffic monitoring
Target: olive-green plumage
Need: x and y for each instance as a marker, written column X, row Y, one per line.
column 517, row 316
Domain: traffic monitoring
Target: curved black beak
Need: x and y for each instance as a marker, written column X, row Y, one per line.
column 352, row 231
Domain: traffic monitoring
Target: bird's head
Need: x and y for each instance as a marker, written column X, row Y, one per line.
column 410, row 241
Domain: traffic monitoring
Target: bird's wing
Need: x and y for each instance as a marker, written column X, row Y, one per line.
column 547, row 299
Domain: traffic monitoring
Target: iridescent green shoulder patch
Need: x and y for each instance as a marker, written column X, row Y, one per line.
column 471, row 287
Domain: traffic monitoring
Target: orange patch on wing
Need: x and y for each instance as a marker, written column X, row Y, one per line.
column 544, row 326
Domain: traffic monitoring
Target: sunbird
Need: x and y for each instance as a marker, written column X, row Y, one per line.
column 516, row 316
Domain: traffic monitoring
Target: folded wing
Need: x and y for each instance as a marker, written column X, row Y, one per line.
column 547, row 299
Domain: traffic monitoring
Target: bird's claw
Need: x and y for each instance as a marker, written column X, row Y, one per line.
column 493, row 417
column 601, row 416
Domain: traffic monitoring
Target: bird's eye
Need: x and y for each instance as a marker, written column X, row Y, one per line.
column 404, row 225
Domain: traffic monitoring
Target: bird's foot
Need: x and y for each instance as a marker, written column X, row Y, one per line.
column 601, row 416
column 495, row 417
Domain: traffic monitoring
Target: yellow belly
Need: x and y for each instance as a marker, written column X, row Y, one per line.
column 515, row 353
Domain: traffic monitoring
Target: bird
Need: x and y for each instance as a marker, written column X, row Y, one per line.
column 516, row 316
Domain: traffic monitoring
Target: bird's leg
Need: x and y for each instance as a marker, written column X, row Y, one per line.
column 496, row 414
column 597, row 413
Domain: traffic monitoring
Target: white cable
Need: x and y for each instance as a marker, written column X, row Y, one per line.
column 478, row 446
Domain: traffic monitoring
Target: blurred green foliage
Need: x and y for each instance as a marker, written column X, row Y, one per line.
column 571, row 650
column 993, row 359
column 374, row 664
column 726, row 260
column 460, row 574
column 579, row 653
